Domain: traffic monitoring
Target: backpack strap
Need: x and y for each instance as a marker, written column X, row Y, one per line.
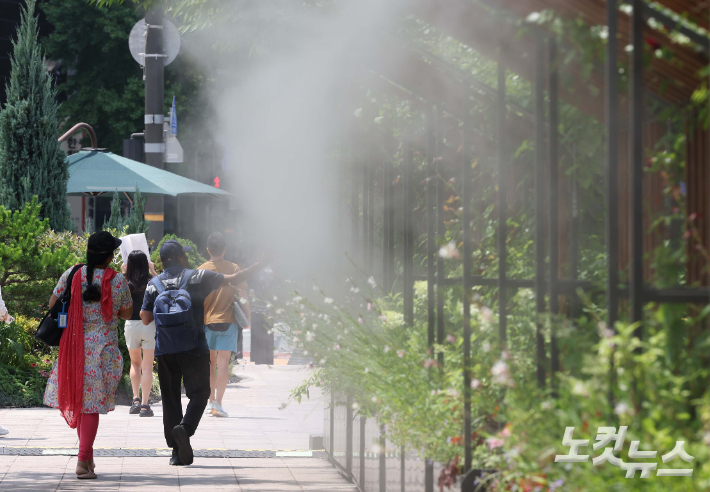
column 158, row 284
column 186, row 276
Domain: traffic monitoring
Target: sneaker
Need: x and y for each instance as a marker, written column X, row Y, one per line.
column 183, row 444
column 135, row 406
column 175, row 459
column 146, row 411
column 218, row 411
column 3, row 431
column 208, row 409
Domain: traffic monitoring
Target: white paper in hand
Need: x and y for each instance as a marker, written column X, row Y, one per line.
column 134, row 242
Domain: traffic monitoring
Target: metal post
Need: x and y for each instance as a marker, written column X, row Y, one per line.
column 354, row 205
column 408, row 264
column 465, row 226
column 383, row 460
column 553, row 206
column 431, row 261
column 385, row 223
column 502, row 212
column 349, row 437
column 440, row 233
column 371, row 208
column 363, row 423
column 402, row 469
column 539, row 201
column 365, row 214
column 154, row 117
column 331, row 444
column 636, row 98
column 389, row 158
column 612, row 160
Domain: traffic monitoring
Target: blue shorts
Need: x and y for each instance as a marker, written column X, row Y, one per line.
column 223, row 340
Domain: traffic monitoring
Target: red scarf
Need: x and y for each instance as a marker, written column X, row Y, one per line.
column 70, row 368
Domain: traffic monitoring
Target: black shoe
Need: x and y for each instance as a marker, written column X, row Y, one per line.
column 135, row 406
column 146, row 411
column 175, row 459
column 183, row 444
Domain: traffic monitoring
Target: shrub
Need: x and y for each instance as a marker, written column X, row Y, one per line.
column 20, row 387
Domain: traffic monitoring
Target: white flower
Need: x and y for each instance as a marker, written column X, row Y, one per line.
column 355, row 406
column 706, row 438
column 449, row 251
column 475, row 383
column 501, row 374
column 336, row 346
column 369, row 306
column 315, row 326
column 328, row 300
column 372, row 282
column 400, row 353
column 360, row 320
column 374, row 399
column 486, row 314
column 367, row 369
column 276, row 298
column 309, row 336
column 486, row 346
column 546, row 405
column 355, row 289
column 580, row 389
column 387, row 348
column 622, row 408
column 297, row 299
column 315, row 287
column 533, row 17
column 383, row 318
column 604, row 330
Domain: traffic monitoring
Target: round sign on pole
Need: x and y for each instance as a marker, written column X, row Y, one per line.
column 171, row 41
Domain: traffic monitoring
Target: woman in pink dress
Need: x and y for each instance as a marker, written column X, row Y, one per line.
column 85, row 376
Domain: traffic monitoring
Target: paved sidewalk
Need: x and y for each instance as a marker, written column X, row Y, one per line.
column 256, row 421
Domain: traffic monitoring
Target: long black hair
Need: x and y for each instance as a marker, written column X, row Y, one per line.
column 137, row 271
column 94, row 259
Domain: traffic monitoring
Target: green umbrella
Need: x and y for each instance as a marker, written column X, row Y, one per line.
column 93, row 172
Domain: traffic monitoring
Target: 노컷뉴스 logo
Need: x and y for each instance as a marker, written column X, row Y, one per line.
column 607, row 434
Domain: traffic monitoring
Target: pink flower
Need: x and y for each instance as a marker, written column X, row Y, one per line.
column 336, row 346
column 494, row 443
column 360, row 320
column 33, row 364
column 475, row 383
column 451, row 339
column 429, row 363
column 400, row 353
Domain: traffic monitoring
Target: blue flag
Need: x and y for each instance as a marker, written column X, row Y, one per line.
column 173, row 119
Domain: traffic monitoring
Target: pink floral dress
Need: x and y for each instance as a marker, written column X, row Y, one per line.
column 103, row 363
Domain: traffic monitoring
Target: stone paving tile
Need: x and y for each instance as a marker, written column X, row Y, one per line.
column 257, row 421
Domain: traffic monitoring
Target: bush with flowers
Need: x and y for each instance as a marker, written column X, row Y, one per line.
column 362, row 347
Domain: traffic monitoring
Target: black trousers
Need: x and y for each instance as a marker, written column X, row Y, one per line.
column 194, row 372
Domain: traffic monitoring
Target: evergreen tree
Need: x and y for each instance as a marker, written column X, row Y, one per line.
column 115, row 220
column 31, row 160
column 136, row 222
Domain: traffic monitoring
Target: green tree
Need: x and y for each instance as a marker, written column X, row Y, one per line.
column 116, row 219
column 31, row 161
column 136, row 221
column 104, row 86
column 30, row 261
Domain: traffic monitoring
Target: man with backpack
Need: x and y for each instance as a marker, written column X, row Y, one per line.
column 175, row 300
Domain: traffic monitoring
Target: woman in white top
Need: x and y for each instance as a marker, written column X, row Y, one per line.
column 4, row 316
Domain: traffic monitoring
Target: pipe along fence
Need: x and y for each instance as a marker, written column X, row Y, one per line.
column 356, row 445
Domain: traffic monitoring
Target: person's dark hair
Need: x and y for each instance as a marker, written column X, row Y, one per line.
column 137, row 271
column 99, row 250
column 216, row 243
column 93, row 259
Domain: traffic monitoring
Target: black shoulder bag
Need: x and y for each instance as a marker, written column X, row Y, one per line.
column 49, row 331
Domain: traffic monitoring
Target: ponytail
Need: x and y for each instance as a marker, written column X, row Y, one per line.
column 92, row 292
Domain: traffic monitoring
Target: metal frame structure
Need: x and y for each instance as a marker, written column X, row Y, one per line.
column 547, row 284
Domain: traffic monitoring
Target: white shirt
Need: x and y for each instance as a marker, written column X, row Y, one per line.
column 4, row 315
